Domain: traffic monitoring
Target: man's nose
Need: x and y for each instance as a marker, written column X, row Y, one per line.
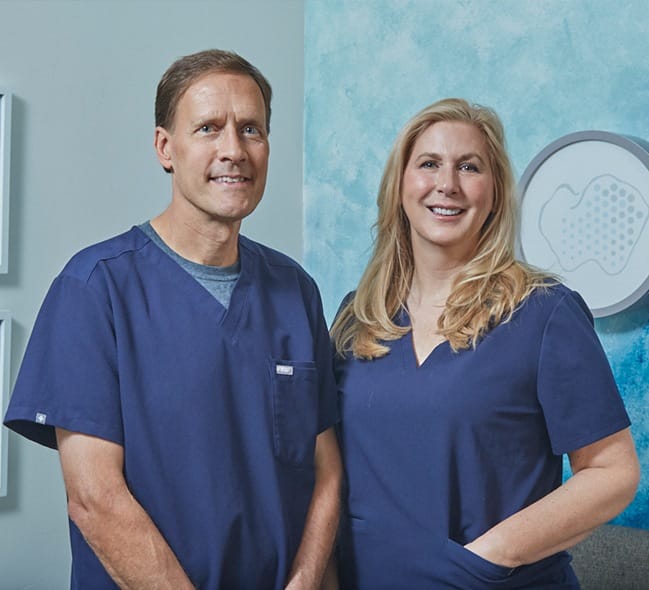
column 231, row 146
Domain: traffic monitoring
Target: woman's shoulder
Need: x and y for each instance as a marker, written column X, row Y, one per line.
column 346, row 300
column 553, row 296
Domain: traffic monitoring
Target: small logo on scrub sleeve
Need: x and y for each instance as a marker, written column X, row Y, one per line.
column 41, row 418
column 284, row 370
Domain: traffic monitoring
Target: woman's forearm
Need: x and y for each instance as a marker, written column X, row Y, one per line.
column 604, row 483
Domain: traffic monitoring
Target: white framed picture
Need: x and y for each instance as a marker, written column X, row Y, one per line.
column 5, row 157
column 5, row 351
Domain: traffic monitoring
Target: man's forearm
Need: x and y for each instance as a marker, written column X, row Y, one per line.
column 129, row 545
column 114, row 524
column 322, row 519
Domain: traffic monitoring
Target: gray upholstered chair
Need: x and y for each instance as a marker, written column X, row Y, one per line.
column 613, row 558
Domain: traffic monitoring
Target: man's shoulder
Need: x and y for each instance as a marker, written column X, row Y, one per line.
column 84, row 262
column 280, row 264
column 269, row 255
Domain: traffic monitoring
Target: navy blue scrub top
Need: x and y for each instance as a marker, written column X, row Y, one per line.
column 437, row 454
column 217, row 410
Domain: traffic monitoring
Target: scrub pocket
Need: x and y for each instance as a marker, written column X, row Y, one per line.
column 295, row 410
column 472, row 571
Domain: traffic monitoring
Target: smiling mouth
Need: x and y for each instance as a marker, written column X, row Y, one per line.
column 229, row 179
column 444, row 211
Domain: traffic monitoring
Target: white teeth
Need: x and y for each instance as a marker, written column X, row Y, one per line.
column 444, row 211
column 229, row 179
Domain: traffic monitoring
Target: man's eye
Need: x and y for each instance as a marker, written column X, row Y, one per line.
column 250, row 130
column 205, row 128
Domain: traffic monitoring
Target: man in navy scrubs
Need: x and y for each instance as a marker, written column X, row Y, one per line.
column 184, row 371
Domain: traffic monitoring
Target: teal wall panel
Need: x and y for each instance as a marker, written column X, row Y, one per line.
column 548, row 67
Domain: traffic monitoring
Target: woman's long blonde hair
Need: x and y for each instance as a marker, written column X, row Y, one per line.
column 487, row 291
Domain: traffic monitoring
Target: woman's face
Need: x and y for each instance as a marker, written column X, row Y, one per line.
column 448, row 189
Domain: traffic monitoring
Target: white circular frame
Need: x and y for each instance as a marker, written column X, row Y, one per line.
column 606, row 288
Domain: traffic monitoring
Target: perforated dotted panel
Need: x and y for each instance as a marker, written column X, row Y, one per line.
column 603, row 227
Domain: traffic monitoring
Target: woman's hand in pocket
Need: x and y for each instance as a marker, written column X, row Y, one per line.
column 487, row 547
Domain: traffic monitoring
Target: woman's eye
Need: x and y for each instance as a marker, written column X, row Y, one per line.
column 205, row 128
column 429, row 164
column 469, row 167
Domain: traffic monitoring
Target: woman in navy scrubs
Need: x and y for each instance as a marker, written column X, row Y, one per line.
column 464, row 375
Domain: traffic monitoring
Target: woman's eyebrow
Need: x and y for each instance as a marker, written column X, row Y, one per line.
column 467, row 156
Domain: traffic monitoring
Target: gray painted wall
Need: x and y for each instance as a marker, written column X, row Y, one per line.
column 83, row 74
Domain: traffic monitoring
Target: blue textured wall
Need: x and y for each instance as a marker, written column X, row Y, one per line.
column 548, row 68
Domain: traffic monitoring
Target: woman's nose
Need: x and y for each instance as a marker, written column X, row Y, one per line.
column 447, row 180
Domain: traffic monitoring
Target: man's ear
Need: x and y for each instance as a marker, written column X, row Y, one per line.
column 161, row 143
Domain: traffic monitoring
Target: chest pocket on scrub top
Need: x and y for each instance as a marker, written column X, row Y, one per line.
column 294, row 386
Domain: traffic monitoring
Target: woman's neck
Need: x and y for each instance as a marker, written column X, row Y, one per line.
column 431, row 286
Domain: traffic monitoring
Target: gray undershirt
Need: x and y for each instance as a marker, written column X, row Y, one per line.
column 218, row 280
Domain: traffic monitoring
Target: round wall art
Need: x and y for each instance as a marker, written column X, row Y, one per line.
column 584, row 213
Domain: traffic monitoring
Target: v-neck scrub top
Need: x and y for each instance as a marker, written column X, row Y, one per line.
column 437, row 454
column 217, row 410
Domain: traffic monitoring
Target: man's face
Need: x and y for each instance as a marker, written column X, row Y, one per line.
column 217, row 149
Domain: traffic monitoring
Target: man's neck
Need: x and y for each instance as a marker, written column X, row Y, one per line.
column 211, row 243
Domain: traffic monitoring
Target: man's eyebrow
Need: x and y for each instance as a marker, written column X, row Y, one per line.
column 205, row 118
column 256, row 121
column 216, row 118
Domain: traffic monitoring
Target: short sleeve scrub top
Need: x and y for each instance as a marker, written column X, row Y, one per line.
column 217, row 410
column 437, row 454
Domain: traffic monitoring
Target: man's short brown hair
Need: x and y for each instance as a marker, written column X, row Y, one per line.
column 186, row 70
